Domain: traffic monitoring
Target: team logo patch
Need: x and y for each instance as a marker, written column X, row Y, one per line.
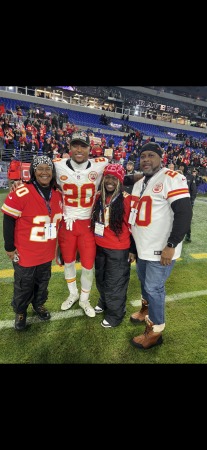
column 92, row 176
column 80, row 134
column 157, row 188
column 63, row 177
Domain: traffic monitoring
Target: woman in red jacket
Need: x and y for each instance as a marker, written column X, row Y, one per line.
column 115, row 245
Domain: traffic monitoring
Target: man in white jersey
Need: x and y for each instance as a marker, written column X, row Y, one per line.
column 79, row 179
column 160, row 216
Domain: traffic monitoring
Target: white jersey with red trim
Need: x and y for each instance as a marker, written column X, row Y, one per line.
column 154, row 219
column 79, row 187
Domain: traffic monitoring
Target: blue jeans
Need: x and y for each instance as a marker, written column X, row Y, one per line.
column 153, row 276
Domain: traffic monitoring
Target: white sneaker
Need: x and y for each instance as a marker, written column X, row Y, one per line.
column 69, row 301
column 89, row 310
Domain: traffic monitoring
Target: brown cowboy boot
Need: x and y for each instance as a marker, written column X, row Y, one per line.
column 139, row 316
column 149, row 338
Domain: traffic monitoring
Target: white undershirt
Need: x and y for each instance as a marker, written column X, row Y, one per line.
column 77, row 167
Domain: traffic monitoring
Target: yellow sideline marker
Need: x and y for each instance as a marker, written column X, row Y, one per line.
column 7, row 273
column 10, row 272
column 199, row 255
column 61, row 268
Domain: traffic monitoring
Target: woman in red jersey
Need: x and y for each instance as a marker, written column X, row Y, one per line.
column 32, row 214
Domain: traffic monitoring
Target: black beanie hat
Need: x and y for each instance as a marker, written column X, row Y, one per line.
column 152, row 147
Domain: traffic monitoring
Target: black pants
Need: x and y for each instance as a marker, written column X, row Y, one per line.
column 30, row 286
column 188, row 234
column 112, row 272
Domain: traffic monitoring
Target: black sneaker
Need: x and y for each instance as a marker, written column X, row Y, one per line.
column 42, row 312
column 187, row 239
column 20, row 321
column 105, row 324
column 98, row 310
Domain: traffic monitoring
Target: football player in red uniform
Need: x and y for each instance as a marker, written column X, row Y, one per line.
column 79, row 178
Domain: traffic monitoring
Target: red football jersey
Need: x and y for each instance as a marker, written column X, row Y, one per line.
column 31, row 213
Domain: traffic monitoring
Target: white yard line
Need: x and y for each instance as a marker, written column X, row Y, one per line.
column 79, row 312
column 54, row 316
column 170, row 298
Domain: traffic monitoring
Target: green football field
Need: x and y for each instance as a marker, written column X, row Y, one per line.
column 70, row 337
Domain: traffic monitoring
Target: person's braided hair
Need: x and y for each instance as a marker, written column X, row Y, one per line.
column 116, row 209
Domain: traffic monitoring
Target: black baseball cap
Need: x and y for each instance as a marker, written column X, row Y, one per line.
column 80, row 136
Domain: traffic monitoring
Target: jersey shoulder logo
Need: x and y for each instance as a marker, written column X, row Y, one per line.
column 57, row 160
column 101, row 159
column 92, row 176
column 157, row 188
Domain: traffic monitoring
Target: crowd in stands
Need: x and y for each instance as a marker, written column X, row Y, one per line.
column 22, row 137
